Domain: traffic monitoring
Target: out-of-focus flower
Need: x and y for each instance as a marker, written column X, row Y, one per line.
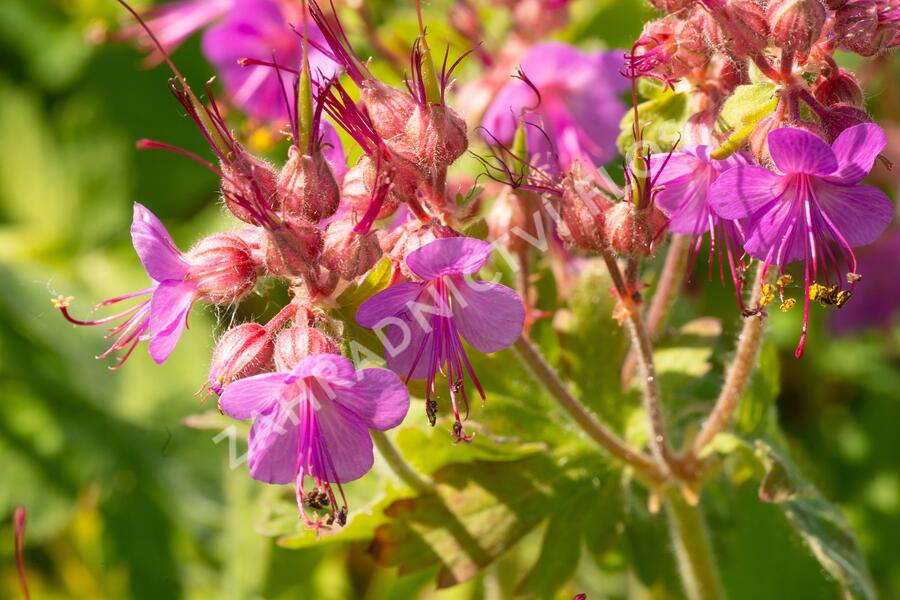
column 173, row 23
column 571, row 95
column 876, row 304
column 259, row 29
column 313, row 422
column 219, row 269
column 813, row 205
column 429, row 319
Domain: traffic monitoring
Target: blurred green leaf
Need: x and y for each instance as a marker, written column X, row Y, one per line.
column 662, row 120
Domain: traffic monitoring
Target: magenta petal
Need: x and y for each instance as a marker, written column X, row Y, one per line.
column 272, row 446
column 249, row 397
column 780, row 228
column 333, row 150
column 488, row 315
column 154, row 246
column 348, row 444
column 798, row 151
column 169, row 307
column 856, row 149
column 861, row 213
column 326, row 368
column 741, row 191
column 387, row 303
column 378, row 397
column 449, row 256
column 404, row 346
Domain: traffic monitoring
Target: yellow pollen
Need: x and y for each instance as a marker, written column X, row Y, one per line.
column 788, row 304
column 784, row 280
column 768, row 294
column 61, row 301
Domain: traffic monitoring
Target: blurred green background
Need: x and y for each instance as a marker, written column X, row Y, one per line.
column 124, row 499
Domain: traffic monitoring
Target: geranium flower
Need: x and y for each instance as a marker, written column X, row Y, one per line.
column 684, row 179
column 816, row 203
column 314, row 422
column 429, row 319
column 218, row 269
column 259, row 29
column 573, row 96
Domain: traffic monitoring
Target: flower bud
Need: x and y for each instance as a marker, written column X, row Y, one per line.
column 348, row 253
column 249, row 185
column 433, row 138
column 841, row 117
column 514, row 211
column 838, row 87
column 299, row 341
column 307, row 187
column 630, row 231
column 242, row 351
column 388, row 108
column 744, row 29
column 671, row 6
column 222, row 267
column 293, row 249
column 583, row 210
column 759, row 138
column 356, row 190
column 856, row 25
column 410, row 236
column 537, row 18
column 796, row 24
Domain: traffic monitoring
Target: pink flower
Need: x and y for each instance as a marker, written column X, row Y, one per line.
column 684, row 179
column 218, row 269
column 815, row 210
column 314, row 422
column 173, row 23
column 572, row 96
column 429, row 319
column 258, row 29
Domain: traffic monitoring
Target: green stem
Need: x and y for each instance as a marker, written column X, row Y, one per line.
column 693, row 550
column 643, row 465
column 402, row 469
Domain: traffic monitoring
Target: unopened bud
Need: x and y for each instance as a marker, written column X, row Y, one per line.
column 631, row 231
column 744, row 29
column 796, row 24
column 583, row 210
column 433, row 138
column 838, row 87
column 537, row 18
column 512, row 218
column 293, row 249
column 242, row 351
column 348, row 253
column 759, row 138
column 356, row 190
column 299, row 341
column 388, row 108
column 841, row 117
column 249, row 187
column 411, row 236
column 671, row 6
column 307, row 188
column 856, row 26
column 222, row 266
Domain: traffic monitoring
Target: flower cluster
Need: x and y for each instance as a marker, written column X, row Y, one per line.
column 782, row 184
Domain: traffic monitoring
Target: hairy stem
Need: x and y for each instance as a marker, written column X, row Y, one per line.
column 693, row 550
column 738, row 374
column 670, row 278
column 402, row 469
column 643, row 465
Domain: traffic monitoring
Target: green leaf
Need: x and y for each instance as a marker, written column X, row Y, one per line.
column 661, row 118
column 821, row 525
column 376, row 280
column 742, row 111
column 479, row 512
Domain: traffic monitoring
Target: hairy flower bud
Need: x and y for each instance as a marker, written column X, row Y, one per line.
column 740, row 27
column 433, row 138
column 293, row 249
column 249, row 187
column 583, row 210
column 856, row 27
column 796, row 24
column 759, row 138
column 514, row 211
column 388, row 108
column 307, row 188
column 537, row 18
column 222, row 266
column 348, row 253
column 631, row 231
column 842, row 116
column 409, row 236
column 838, row 87
column 242, row 351
column 356, row 190
column 671, row 6
column 299, row 341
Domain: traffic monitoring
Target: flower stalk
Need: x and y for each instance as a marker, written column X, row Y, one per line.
column 693, row 549
column 402, row 469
